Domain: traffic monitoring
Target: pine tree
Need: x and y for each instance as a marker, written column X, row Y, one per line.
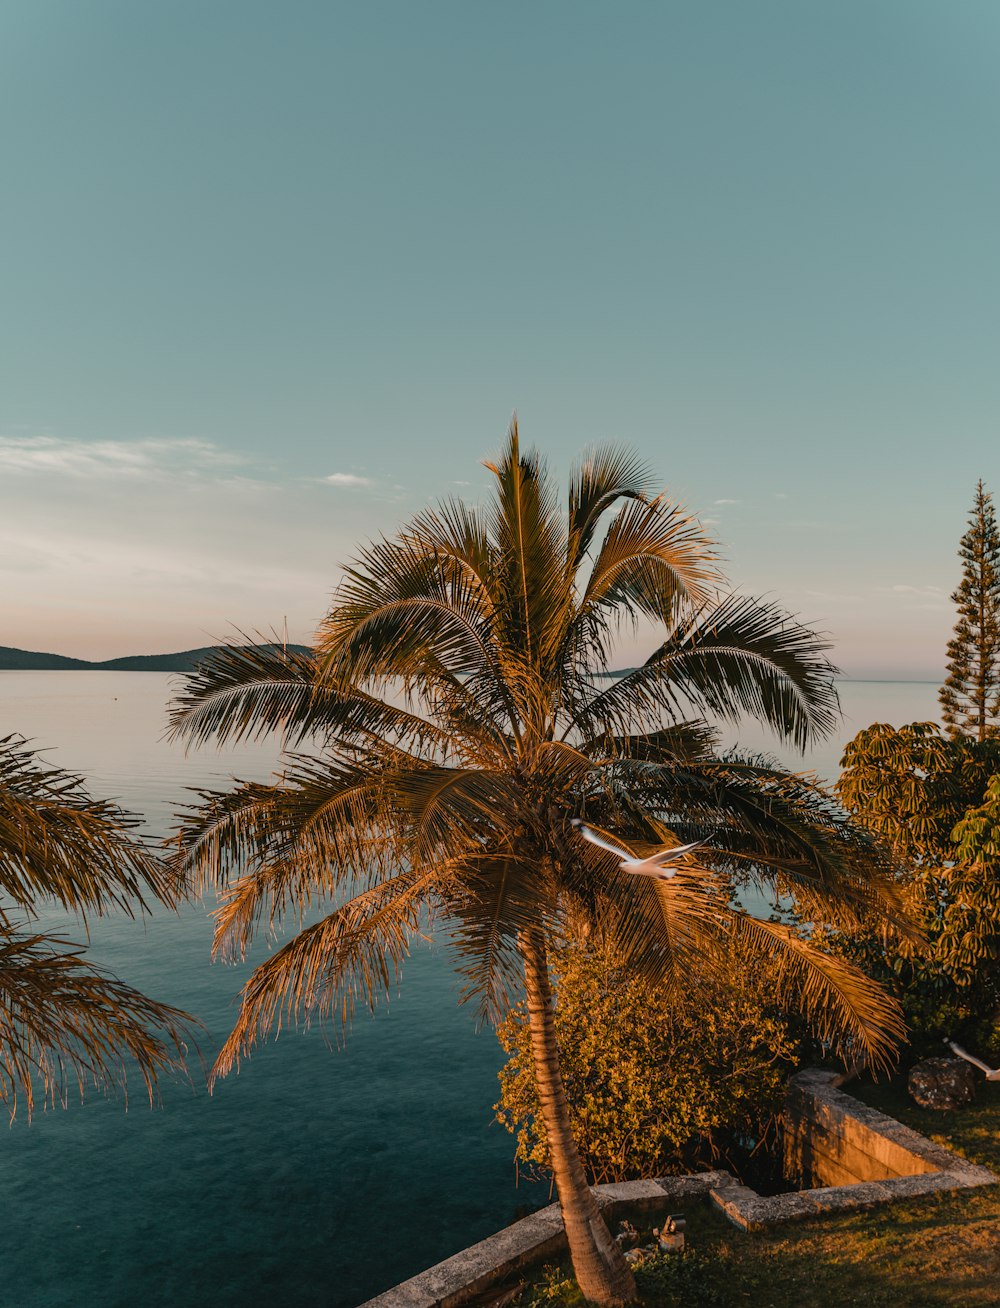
column 970, row 697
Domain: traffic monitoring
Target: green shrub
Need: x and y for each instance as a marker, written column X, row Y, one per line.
column 647, row 1077
column 935, row 800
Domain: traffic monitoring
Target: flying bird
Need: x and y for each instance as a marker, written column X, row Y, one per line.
column 656, row 865
column 992, row 1074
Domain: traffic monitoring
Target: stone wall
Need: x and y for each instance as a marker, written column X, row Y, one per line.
column 830, row 1138
column 848, row 1155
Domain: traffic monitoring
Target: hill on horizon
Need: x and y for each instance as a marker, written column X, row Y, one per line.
column 25, row 660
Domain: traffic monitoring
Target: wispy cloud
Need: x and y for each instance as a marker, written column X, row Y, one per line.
column 928, row 599
column 725, row 501
column 138, row 459
column 347, row 479
column 172, row 538
column 904, row 589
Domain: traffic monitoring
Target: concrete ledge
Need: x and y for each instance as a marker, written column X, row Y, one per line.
column 460, row 1278
column 841, row 1137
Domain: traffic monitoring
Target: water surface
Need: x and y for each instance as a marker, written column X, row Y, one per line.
column 316, row 1176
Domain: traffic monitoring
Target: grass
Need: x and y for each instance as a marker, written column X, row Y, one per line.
column 943, row 1250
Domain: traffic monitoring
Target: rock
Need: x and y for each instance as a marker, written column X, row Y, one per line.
column 942, row 1083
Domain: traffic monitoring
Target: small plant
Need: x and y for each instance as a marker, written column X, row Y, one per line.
column 556, row 1286
column 689, row 1279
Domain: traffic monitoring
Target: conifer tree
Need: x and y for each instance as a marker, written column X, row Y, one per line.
column 970, row 697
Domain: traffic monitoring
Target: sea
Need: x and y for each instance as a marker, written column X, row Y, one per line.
column 318, row 1176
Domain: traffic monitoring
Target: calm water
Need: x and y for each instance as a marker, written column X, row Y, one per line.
column 315, row 1177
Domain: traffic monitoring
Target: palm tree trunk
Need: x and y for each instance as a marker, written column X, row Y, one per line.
column 598, row 1264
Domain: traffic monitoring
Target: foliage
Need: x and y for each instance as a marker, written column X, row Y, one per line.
column 64, row 1021
column 648, row 1077
column 936, row 801
column 688, row 1280
column 970, row 697
column 912, row 784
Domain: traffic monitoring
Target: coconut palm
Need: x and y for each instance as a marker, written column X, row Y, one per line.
column 63, row 1020
column 462, row 717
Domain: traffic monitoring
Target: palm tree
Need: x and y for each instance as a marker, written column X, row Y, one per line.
column 462, row 716
column 63, row 1020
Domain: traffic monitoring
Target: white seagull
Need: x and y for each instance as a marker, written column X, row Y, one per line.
column 992, row 1074
column 656, row 865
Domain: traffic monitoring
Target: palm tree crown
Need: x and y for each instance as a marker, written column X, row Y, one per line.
column 64, row 1021
column 463, row 717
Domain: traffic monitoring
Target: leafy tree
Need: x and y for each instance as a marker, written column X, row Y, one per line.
column 970, row 697
column 63, row 1020
column 462, row 717
column 936, row 801
column 646, row 1075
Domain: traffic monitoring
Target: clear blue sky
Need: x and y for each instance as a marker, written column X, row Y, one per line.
column 247, row 247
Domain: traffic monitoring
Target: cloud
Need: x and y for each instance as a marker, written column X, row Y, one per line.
column 725, row 501
column 135, row 460
column 903, row 589
column 138, row 545
column 347, row 479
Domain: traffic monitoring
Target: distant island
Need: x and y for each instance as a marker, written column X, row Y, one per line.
column 26, row 660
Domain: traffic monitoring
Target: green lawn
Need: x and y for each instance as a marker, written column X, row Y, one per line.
column 941, row 1250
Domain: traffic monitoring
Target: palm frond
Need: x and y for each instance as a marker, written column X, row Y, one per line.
column 500, row 897
column 848, row 1011
column 59, row 844
column 446, row 808
column 744, row 658
column 780, row 832
column 355, row 952
column 321, row 812
column 665, row 930
column 679, row 742
column 606, row 475
column 529, row 540
column 687, row 927
column 244, row 692
column 398, row 615
column 65, row 1022
column 654, row 558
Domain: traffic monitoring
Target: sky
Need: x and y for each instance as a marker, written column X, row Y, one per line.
column 275, row 276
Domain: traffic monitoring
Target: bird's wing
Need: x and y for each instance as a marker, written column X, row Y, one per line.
column 595, row 839
column 678, row 851
column 651, row 869
column 968, row 1057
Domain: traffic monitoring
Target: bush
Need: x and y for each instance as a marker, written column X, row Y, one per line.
column 936, row 802
column 653, row 1084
